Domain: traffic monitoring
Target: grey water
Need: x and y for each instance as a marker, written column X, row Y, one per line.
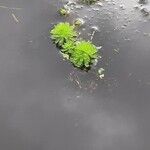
column 47, row 104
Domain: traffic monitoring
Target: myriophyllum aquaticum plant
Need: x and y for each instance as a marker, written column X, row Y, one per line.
column 81, row 53
column 62, row 33
column 84, row 53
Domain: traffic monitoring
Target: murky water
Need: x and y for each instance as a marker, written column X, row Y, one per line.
column 46, row 104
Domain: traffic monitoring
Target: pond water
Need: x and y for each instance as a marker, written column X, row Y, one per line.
column 46, row 104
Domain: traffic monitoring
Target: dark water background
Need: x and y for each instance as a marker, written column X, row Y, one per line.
column 46, row 104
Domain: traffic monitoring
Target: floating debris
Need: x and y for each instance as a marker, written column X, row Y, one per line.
column 145, row 11
column 116, row 50
column 100, row 4
column 101, row 73
column 99, row 47
column 136, row 7
column 64, row 11
column 143, row 1
column 15, row 18
column 65, row 56
column 146, row 34
column 95, row 61
column 122, row 7
column 94, row 28
column 14, row 8
column 102, row 76
column 96, row 9
column 78, row 83
column 71, row 3
column 78, row 6
column 79, row 22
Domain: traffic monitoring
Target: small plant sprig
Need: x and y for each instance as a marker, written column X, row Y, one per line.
column 62, row 33
column 81, row 53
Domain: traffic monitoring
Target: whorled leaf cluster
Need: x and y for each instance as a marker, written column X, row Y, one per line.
column 80, row 52
column 62, row 33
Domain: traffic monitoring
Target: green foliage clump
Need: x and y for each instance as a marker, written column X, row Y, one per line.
column 62, row 33
column 83, row 54
column 68, row 47
column 80, row 53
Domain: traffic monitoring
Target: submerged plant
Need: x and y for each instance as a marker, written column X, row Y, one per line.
column 62, row 33
column 83, row 55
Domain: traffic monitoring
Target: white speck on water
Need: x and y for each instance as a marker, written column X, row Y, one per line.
column 95, row 62
column 96, row 9
column 122, row 6
column 100, row 4
column 95, row 28
column 136, row 7
column 79, row 22
column 78, row 6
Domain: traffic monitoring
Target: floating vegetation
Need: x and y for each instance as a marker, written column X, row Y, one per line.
column 80, row 52
column 15, row 18
column 89, row 2
column 62, row 33
column 79, row 22
column 145, row 11
column 116, row 51
column 83, row 54
column 64, row 11
column 68, row 47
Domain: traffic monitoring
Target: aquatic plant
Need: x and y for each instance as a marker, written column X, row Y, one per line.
column 63, row 32
column 89, row 2
column 64, row 11
column 83, row 54
column 68, row 47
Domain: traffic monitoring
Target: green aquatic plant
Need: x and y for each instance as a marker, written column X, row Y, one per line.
column 89, row 2
column 63, row 32
column 68, row 47
column 83, row 55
